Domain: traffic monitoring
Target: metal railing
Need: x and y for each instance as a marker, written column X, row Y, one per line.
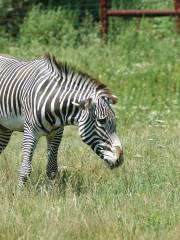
column 105, row 13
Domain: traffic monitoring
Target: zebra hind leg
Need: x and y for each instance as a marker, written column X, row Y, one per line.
column 53, row 142
column 5, row 136
column 29, row 144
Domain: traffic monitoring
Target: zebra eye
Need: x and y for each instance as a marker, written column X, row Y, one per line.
column 102, row 120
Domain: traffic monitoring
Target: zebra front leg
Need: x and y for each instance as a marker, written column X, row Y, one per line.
column 29, row 144
column 53, row 141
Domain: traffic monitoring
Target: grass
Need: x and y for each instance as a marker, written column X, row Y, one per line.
column 140, row 200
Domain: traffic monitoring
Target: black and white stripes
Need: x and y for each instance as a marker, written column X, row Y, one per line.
column 40, row 97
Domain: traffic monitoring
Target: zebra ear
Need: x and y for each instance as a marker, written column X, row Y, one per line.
column 113, row 99
column 84, row 104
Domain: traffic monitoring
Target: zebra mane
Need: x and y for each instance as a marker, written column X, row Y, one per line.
column 66, row 68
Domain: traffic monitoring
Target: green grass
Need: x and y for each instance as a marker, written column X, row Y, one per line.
column 139, row 200
column 88, row 201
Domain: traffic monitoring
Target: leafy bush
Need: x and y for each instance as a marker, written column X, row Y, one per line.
column 58, row 27
column 49, row 27
column 12, row 13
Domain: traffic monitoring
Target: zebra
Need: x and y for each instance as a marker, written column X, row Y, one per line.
column 40, row 97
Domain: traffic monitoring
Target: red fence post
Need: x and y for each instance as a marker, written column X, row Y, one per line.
column 177, row 8
column 104, row 18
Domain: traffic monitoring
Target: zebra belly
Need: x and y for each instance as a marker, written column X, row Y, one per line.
column 14, row 123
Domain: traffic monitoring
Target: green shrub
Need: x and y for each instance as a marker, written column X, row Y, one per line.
column 58, row 27
column 49, row 27
column 12, row 13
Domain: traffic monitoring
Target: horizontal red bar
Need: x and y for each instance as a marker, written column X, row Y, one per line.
column 143, row 13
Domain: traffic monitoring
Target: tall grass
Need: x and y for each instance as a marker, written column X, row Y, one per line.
column 140, row 63
column 138, row 201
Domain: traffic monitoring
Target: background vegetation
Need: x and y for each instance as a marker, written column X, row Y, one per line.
column 140, row 63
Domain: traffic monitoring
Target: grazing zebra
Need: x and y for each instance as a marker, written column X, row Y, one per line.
column 40, row 97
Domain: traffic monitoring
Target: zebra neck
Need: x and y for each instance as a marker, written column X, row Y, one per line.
column 73, row 114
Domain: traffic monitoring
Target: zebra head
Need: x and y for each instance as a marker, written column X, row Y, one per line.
column 97, row 127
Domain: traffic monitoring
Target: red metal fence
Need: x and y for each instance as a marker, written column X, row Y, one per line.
column 105, row 13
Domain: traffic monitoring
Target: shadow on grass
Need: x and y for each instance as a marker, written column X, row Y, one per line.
column 67, row 180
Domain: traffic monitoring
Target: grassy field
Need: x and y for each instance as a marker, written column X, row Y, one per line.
column 140, row 200
column 88, row 201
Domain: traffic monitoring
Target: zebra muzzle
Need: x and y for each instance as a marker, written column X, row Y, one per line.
column 120, row 156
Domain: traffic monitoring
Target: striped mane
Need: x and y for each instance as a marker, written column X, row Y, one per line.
column 66, row 68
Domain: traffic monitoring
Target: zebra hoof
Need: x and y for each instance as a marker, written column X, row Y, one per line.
column 20, row 187
column 52, row 175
